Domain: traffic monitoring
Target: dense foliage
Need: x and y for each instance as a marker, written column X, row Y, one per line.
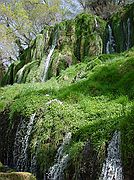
column 89, row 94
column 91, row 100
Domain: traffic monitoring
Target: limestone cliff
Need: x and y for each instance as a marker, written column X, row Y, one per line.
column 75, row 40
column 79, row 123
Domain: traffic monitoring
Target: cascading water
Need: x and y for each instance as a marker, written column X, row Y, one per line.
column 56, row 171
column 21, row 144
column 48, row 59
column 96, row 23
column 110, row 43
column 112, row 168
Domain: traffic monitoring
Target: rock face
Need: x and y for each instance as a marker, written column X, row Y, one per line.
column 70, row 42
column 8, row 174
column 75, row 40
column 89, row 164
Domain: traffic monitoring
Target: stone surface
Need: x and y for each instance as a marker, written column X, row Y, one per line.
column 17, row 176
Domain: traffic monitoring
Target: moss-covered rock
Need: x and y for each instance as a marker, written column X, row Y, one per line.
column 90, row 96
column 89, row 100
column 88, row 33
column 2, row 71
column 16, row 176
column 8, row 78
column 75, row 40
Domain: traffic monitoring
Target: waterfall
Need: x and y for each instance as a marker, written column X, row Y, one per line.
column 48, row 59
column 56, row 171
column 96, row 23
column 20, row 156
column 128, row 34
column 112, row 168
column 110, row 43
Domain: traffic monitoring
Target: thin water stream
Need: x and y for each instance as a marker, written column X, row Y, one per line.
column 21, row 143
column 112, row 167
column 110, row 43
column 61, row 160
column 48, row 59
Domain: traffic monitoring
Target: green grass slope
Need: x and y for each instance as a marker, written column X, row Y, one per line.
column 91, row 99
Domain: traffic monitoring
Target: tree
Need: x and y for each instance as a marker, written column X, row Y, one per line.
column 21, row 20
column 26, row 18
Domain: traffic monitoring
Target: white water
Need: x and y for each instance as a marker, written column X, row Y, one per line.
column 56, row 171
column 112, row 167
column 128, row 33
column 22, row 142
column 47, row 63
column 96, row 23
column 110, row 44
column 48, row 59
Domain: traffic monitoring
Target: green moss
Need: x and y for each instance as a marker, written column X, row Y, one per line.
column 38, row 48
column 88, row 36
column 90, row 94
column 60, row 61
column 91, row 100
column 127, row 129
column 16, row 176
column 25, row 73
column 8, row 78
column 76, row 39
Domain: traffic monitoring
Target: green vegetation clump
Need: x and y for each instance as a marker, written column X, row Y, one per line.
column 88, row 36
column 91, row 100
column 127, row 146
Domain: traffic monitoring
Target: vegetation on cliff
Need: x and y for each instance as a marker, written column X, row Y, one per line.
column 89, row 96
column 75, row 40
column 91, row 100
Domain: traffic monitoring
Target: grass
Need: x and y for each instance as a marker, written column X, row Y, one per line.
column 94, row 100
